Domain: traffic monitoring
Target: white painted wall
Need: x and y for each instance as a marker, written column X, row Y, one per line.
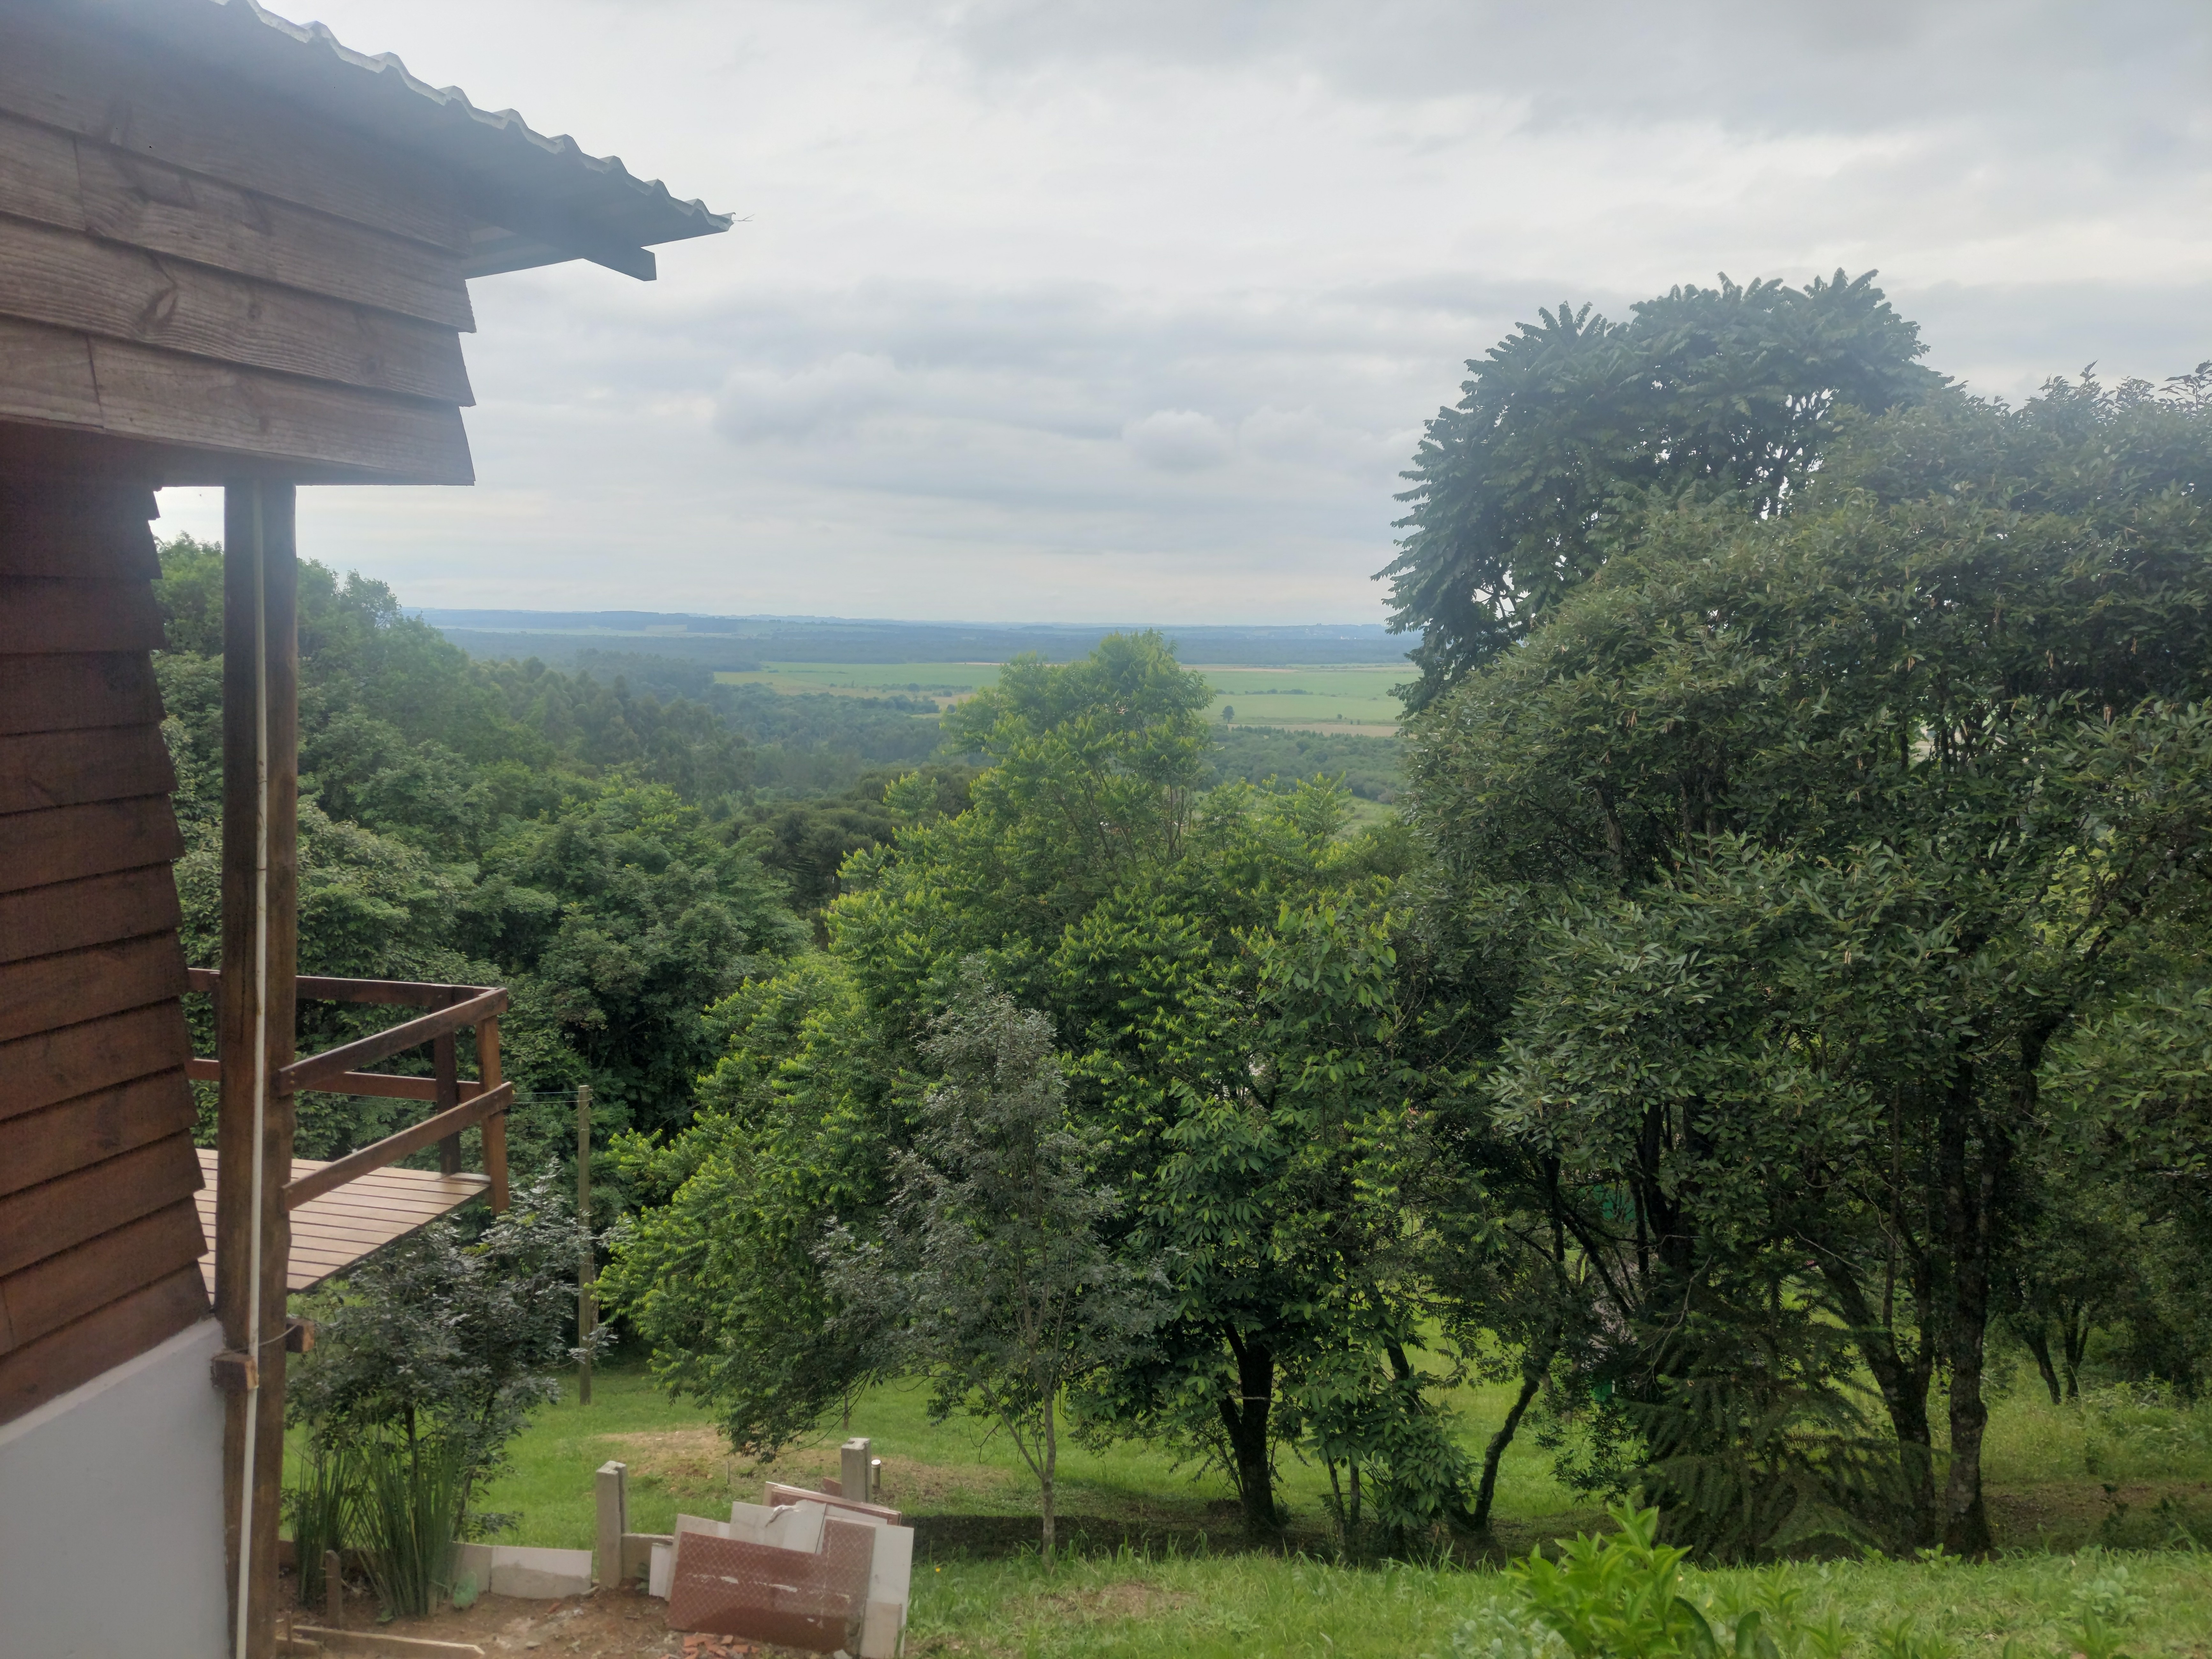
column 111, row 1514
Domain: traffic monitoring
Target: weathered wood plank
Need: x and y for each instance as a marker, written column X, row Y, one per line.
column 67, row 769
column 52, row 1065
column 42, row 1146
column 46, row 375
column 62, row 694
column 56, row 1362
column 44, row 1220
column 69, row 280
column 46, row 993
column 68, row 843
column 133, row 198
column 324, row 432
column 40, row 181
column 111, row 90
column 48, row 1294
column 49, row 615
column 92, row 532
column 39, row 922
column 164, row 397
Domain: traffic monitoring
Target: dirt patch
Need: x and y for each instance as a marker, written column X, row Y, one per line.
column 605, row 1624
column 1125, row 1598
column 682, row 1457
column 689, row 1460
column 2127, row 1514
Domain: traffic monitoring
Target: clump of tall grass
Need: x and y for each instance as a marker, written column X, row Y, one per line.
column 2135, row 1431
column 321, row 1506
column 406, row 1515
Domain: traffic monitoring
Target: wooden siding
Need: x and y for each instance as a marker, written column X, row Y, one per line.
column 100, row 1238
column 217, row 278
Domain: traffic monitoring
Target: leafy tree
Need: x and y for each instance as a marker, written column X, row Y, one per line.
column 622, row 918
column 1795, row 843
column 988, row 1273
column 1568, row 428
column 436, row 1339
column 715, row 1268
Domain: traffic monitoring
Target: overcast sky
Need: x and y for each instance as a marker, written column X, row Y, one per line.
column 1132, row 310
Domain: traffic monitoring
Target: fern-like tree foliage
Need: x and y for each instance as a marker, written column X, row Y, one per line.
column 1569, row 427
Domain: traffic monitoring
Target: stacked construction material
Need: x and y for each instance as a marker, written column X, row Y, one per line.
column 813, row 1570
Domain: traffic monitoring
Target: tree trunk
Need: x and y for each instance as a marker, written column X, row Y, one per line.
column 1904, row 1385
column 2038, row 1338
column 2074, row 1337
column 1051, row 1462
column 1971, row 1155
column 1245, row 1416
column 1532, row 1378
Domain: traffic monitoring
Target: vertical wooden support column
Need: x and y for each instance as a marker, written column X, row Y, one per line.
column 254, row 1012
column 495, row 1126
column 445, row 1068
column 587, row 1310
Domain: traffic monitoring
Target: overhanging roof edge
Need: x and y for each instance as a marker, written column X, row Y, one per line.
column 508, row 164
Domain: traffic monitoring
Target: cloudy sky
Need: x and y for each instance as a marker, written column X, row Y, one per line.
column 1132, row 310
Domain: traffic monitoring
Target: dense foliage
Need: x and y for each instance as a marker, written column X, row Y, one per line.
column 1784, row 988
column 1791, row 849
column 494, row 825
column 1569, row 429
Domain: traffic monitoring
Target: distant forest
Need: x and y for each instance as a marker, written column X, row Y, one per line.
column 744, row 642
column 619, row 839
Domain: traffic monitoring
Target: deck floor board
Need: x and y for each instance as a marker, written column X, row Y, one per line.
column 332, row 1233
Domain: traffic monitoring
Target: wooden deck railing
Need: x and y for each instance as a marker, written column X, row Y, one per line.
column 463, row 1102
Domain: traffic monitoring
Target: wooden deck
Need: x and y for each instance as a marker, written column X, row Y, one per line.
column 332, row 1233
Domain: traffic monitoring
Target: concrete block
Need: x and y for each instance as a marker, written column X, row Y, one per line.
column 528, row 1575
column 890, row 1582
column 473, row 1560
column 662, row 1571
column 539, row 1575
column 853, row 1470
column 610, row 1489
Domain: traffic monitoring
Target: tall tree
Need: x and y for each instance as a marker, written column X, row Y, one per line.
column 1567, row 427
column 1806, row 837
column 988, row 1273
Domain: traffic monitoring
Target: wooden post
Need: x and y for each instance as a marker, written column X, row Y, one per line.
column 445, row 1069
column 587, row 1312
column 333, row 1590
column 495, row 1126
column 611, row 1487
column 254, row 1015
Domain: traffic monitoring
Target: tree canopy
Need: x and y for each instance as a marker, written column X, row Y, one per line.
column 1570, row 427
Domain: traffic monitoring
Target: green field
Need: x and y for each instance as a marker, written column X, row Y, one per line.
column 1354, row 698
column 1159, row 1567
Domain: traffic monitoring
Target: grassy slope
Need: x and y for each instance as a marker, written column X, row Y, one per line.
column 1173, row 1594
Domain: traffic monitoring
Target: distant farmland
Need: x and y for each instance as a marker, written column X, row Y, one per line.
column 1350, row 698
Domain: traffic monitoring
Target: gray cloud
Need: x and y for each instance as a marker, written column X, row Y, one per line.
column 1104, row 309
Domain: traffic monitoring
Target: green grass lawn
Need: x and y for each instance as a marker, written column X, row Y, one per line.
column 677, row 1459
column 1159, row 1569
column 1352, row 698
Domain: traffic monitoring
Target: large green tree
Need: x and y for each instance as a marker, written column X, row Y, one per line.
column 1796, row 842
column 1221, row 969
column 1568, row 426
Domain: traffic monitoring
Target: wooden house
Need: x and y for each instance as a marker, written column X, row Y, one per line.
column 233, row 252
